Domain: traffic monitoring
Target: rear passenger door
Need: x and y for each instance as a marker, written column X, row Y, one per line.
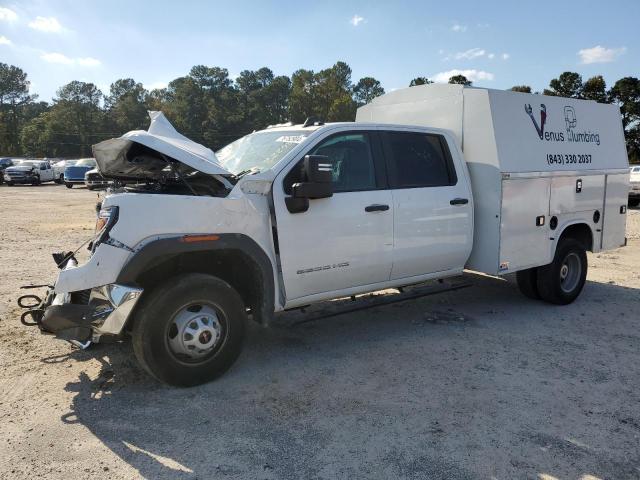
column 433, row 220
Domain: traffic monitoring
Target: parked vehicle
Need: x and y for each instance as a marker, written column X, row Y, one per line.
column 32, row 172
column 59, row 168
column 427, row 182
column 94, row 180
column 634, row 186
column 4, row 163
column 74, row 174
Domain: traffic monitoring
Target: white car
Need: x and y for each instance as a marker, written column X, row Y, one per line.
column 634, row 186
column 297, row 214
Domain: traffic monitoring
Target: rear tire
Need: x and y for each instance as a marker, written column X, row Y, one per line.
column 561, row 281
column 68, row 185
column 189, row 330
column 527, row 283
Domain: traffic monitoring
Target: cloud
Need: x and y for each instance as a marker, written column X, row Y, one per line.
column 156, row 85
column 5, row 41
column 88, row 62
column 470, row 54
column 505, row 56
column 471, row 74
column 55, row 57
column 459, row 28
column 356, row 20
column 46, row 24
column 8, row 15
column 491, row 56
column 600, row 54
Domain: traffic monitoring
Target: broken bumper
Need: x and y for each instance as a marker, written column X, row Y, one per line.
column 103, row 312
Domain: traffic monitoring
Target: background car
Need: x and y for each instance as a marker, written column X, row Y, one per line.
column 634, row 186
column 31, row 171
column 74, row 174
column 58, row 168
column 4, row 163
column 94, row 180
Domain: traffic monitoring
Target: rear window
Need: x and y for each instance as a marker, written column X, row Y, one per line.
column 418, row 160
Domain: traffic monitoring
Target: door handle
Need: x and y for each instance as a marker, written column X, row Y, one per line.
column 376, row 208
column 459, row 201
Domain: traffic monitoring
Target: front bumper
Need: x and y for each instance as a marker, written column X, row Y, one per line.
column 20, row 178
column 86, row 317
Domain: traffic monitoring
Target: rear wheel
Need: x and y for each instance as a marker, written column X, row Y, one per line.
column 60, row 179
column 189, row 330
column 68, row 185
column 527, row 283
column 561, row 281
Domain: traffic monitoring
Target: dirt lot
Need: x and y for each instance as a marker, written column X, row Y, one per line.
column 479, row 383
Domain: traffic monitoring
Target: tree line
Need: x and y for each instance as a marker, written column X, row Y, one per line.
column 210, row 107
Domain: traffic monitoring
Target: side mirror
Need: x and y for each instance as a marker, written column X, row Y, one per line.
column 318, row 175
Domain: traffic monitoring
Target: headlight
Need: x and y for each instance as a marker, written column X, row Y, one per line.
column 107, row 218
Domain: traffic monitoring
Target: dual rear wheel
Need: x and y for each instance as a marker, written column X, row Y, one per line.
column 562, row 280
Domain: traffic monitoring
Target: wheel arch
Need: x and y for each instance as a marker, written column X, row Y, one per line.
column 234, row 258
column 578, row 230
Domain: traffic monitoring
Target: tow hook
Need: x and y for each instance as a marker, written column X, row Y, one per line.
column 34, row 306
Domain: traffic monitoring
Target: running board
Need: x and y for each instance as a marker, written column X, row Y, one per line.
column 371, row 301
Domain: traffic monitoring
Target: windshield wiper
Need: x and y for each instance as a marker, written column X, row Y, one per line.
column 238, row 176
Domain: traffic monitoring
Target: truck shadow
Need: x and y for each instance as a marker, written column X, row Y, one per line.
column 402, row 381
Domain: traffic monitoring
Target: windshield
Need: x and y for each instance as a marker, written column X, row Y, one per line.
column 85, row 162
column 29, row 163
column 635, row 170
column 260, row 150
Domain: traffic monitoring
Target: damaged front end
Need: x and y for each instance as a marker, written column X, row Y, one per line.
column 95, row 315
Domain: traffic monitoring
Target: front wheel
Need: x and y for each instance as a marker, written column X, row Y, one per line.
column 68, row 185
column 561, row 281
column 189, row 330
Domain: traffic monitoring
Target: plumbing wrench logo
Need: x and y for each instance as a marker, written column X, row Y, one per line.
column 543, row 118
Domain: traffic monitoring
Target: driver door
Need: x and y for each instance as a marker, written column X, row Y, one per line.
column 344, row 241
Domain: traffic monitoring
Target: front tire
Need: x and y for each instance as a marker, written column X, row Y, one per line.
column 561, row 281
column 189, row 330
column 68, row 185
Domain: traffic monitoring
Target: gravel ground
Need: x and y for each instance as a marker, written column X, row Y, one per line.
column 479, row 383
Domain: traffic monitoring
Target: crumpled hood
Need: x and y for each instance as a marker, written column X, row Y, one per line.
column 120, row 157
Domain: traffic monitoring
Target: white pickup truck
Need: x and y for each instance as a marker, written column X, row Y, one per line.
column 32, row 172
column 429, row 181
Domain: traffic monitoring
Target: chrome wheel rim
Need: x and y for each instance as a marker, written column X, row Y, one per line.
column 196, row 332
column 570, row 273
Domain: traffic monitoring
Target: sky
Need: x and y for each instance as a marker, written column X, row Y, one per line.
column 494, row 43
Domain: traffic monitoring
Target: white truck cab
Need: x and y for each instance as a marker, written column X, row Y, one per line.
column 429, row 181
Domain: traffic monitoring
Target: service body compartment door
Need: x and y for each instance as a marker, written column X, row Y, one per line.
column 524, row 241
column 576, row 194
column 614, row 221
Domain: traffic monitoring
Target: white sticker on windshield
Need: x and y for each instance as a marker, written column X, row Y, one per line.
column 291, row 138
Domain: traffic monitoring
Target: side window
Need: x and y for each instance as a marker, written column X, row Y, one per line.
column 418, row 160
column 351, row 159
